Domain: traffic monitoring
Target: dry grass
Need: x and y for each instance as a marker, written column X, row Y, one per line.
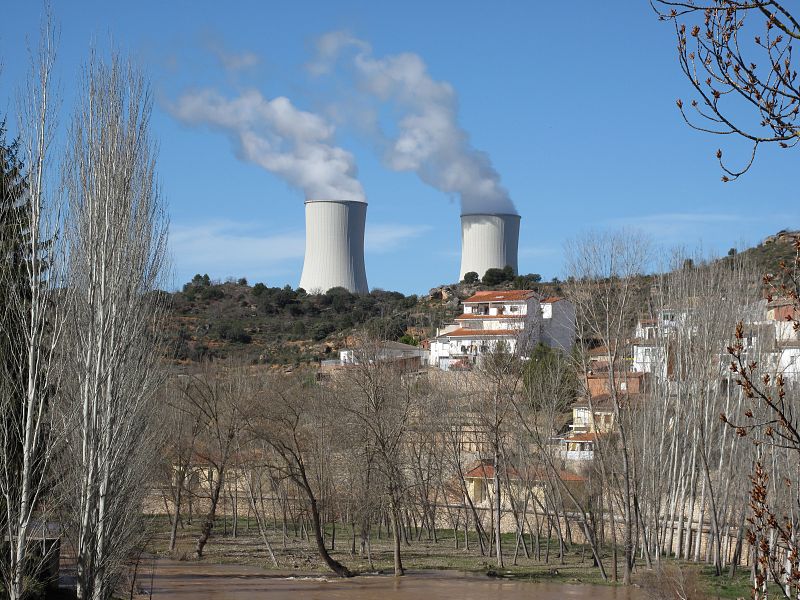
column 672, row 581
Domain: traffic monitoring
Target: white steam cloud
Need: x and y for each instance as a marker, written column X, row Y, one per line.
column 297, row 146
column 429, row 140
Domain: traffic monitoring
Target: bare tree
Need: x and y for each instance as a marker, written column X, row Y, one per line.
column 117, row 245
column 215, row 396
column 32, row 324
column 180, row 447
column 379, row 399
column 456, row 423
column 771, row 424
column 549, row 388
column 738, row 56
column 606, row 288
column 498, row 379
column 293, row 424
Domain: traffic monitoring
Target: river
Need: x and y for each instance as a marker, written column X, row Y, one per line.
column 175, row 580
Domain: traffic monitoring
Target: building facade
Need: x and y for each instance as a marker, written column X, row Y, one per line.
column 515, row 320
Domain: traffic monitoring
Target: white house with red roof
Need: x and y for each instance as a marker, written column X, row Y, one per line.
column 510, row 318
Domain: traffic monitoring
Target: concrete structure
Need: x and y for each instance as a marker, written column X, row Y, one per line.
column 488, row 241
column 558, row 323
column 334, row 246
column 387, row 351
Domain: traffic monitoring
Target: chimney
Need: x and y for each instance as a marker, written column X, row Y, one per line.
column 488, row 241
column 334, row 246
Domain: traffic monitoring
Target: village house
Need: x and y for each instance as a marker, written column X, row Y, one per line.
column 588, row 421
column 600, row 418
column 783, row 314
column 403, row 357
column 509, row 319
column 578, row 447
column 480, row 483
column 768, row 336
column 593, row 415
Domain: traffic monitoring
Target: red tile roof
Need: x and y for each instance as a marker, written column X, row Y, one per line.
column 620, row 374
column 604, row 401
column 510, row 295
column 480, row 472
column 599, row 402
column 486, row 471
column 481, row 332
column 582, row 437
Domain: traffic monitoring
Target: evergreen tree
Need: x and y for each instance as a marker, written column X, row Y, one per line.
column 14, row 293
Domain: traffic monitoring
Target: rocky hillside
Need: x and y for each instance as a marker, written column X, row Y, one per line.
column 281, row 326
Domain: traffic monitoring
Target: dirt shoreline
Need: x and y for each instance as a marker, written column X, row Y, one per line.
column 201, row 580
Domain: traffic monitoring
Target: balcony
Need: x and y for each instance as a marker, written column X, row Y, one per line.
column 577, row 454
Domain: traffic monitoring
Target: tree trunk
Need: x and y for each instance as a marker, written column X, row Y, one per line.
column 208, row 522
column 316, row 525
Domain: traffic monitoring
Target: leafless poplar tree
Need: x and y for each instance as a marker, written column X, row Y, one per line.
column 184, row 427
column 605, row 286
column 117, row 244
column 771, row 425
column 549, row 388
column 498, row 379
column 33, row 314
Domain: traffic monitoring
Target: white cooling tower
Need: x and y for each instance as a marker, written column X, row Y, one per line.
column 488, row 241
column 334, row 246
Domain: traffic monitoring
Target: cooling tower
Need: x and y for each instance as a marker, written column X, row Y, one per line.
column 488, row 241
column 334, row 246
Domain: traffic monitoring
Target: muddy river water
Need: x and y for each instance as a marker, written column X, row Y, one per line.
column 200, row 581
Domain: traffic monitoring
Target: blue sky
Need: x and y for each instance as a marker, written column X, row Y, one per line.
column 572, row 105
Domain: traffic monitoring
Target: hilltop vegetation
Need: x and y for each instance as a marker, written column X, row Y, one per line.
column 769, row 254
column 259, row 324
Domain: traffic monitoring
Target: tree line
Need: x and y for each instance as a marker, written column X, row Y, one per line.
column 83, row 234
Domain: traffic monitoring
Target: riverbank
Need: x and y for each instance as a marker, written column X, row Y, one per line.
column 543, row 565
column 169, row 579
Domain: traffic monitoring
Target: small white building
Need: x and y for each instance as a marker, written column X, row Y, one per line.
column 386, row 351
column 782, row 313
column 513, row 318
column 648, row 348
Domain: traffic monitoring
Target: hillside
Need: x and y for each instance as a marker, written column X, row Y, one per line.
column 775, row 248
column 281, row 326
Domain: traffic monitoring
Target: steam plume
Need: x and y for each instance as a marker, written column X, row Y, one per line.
column 297, row 146
column 429, row 141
